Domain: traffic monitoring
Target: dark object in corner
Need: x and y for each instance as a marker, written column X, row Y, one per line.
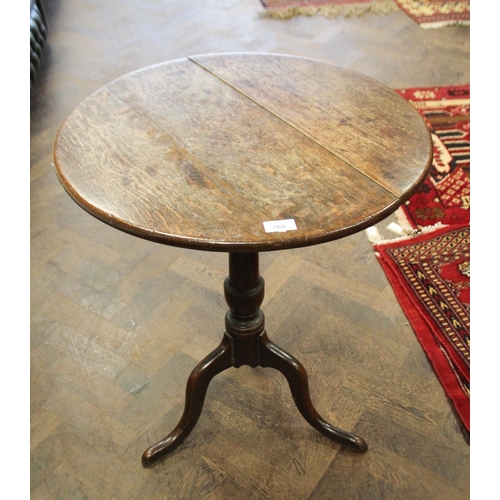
column 38, row 36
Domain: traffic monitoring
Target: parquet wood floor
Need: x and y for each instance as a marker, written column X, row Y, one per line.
column 118, row 323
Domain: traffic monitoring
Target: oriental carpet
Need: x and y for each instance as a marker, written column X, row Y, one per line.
column 427, row 13
column 429, row 270
column 437, row 13
column 430, row 276
column 445, row 195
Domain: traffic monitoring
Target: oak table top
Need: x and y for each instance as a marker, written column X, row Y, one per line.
column 199, row 152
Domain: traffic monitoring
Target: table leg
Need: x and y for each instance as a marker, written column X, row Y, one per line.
column 273, row 356
column 196, row 389
column 246, row 343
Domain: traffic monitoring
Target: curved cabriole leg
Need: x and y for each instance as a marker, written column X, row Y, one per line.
column 217, row 361
column 274, row 357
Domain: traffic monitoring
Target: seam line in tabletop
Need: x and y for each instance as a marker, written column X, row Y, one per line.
column 343, row 160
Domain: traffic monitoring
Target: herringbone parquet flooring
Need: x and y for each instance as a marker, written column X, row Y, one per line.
column 118, row 323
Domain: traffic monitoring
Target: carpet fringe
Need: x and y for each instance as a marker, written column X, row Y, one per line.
column 332, row 11
column 413, row 234
column 444, row 24
column 403, row 221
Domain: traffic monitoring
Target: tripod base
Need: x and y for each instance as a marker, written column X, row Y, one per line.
column 246, row 343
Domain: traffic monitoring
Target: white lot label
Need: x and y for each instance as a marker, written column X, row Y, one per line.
column 279, row 226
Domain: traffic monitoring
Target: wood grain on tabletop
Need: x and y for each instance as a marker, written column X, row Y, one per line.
column 197, row 158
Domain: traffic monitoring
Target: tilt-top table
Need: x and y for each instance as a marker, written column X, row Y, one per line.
column 243, row 153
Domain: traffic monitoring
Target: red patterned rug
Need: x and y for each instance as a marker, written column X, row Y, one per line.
column 430, row 275
column 437, row 13
column 445, row 195
column 430, row 270
column 286, row 9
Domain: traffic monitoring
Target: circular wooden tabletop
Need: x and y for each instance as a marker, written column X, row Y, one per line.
column 200, row 152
